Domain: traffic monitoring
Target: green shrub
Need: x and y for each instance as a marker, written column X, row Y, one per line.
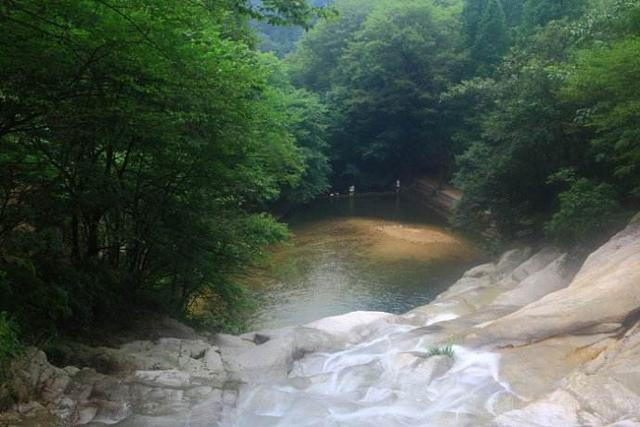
column 9, row 341
column 585, row 209
column 10, row 347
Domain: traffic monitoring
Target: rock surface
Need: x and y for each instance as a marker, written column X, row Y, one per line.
column 603, row 295
column 534, row 339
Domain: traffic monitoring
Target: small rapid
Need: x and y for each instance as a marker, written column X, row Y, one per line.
column 390, row 379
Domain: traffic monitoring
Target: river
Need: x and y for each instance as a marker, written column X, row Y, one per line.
column 374, row 253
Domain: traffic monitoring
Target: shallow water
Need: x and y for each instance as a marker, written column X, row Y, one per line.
column 371, row 254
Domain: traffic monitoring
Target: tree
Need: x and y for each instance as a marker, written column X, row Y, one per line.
column 136, row 165
column 490, row 30
column 308, row 124
column 585, row 209
column 539, row 12
column 526, row 135
column 384, row 92
column 563, row 99
column 313, row 64
column 604, row 86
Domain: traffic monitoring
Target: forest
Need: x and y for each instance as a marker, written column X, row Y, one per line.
column 147, row 148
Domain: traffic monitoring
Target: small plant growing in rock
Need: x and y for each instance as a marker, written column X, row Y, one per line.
column 445, row 350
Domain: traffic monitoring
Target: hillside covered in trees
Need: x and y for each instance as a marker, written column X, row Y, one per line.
column 145, row 146
column 529, row 106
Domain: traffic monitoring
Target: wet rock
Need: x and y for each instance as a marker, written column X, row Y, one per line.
column 224, row 340
column 605, row 290
column 79, row 391
column 85, row 414
column 204, row 414
column 351, row 327
column 273, row 359
column 111, row 412
column 167, row 378
column 537, row 262
column 512, row 259
column 560, row 410
column 482, row 270
column 28, row 408
column 34, row 377
column 554, row 276
column 71, row 370
column 433, row 367
column 53, row 383
column 535, row 370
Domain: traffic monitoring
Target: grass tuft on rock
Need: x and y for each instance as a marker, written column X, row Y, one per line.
column 445, row 350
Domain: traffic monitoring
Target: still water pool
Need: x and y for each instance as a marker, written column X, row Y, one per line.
column 380, row 253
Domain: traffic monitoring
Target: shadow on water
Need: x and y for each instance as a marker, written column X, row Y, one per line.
column 381, row 253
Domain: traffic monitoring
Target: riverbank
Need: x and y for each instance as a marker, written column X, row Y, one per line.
column 440, row 197
column 536, row 339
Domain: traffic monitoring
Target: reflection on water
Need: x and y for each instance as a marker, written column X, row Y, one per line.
column 373, row 254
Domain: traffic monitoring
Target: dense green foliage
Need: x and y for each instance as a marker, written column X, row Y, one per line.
column 383, row 66
column 141, row 143
column 497, row 95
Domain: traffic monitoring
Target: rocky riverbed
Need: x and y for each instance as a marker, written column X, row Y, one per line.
column 536, row 339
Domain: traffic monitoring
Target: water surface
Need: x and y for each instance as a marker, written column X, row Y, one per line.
column 380, row 253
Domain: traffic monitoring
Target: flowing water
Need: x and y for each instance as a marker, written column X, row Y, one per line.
column 386, row 381
column 373, row 254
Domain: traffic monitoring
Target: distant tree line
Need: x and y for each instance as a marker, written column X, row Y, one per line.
column 530, row 106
